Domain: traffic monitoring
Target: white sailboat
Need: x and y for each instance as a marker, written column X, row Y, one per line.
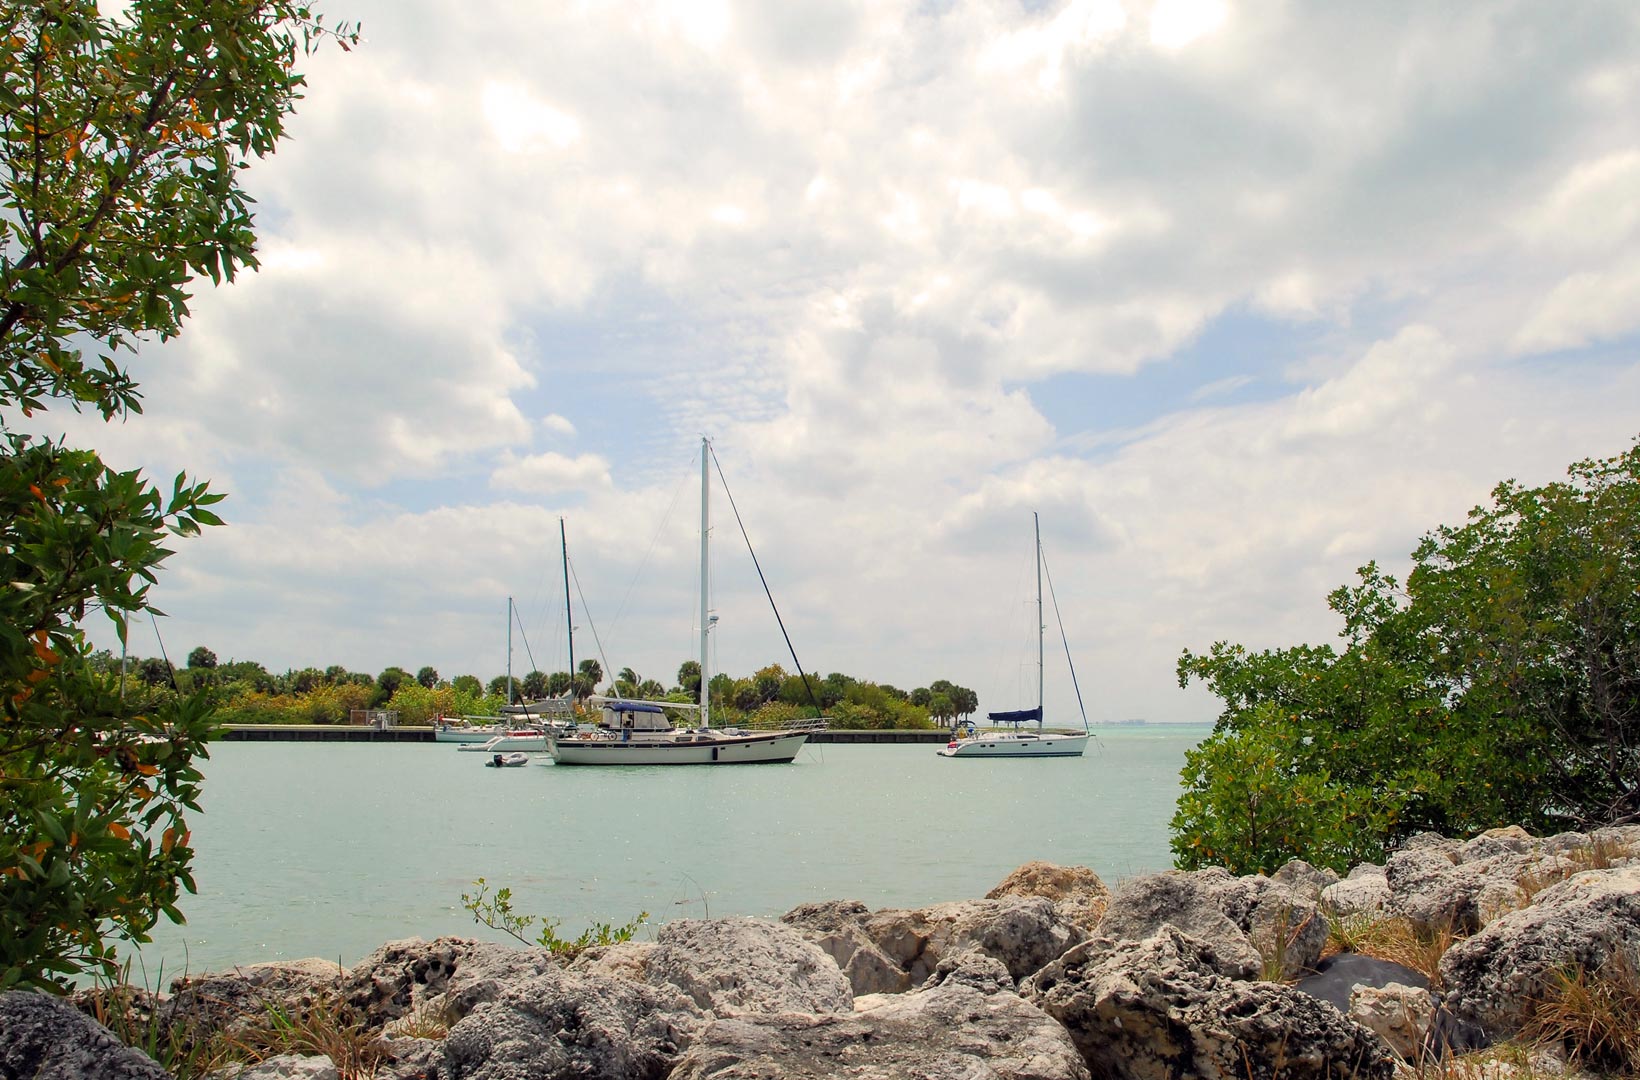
column 1020, row 743
column 640, row 733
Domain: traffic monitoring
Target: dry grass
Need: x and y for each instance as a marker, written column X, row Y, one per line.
column 1594, row 1017
column 135, row 1017
column 1506, row 1061
column 426, row 1021
column 1599, row 854
column 1394, row 938
column 328, row 1027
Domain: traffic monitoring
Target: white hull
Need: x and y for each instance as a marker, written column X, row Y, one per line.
column 1017, row 746
column 466, row 735
column 681, row 749
column 508, row 744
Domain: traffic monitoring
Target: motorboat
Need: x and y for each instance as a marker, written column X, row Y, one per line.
column 508, row 761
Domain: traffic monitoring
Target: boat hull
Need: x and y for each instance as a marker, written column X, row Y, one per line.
column 1017, row 746
column 772, row 749
column 507, row 744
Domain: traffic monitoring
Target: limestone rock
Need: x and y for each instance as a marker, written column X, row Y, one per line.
column 969, row 1024
column 624, row 960
column 838, row 928
column 1255, row 918
column 403, row 975
column 238, row 998
column 288, row 1067
column 1401, row 1015
column 46, row 1038
column 1143, row 905
column 559, row 1023
column 1305, row 880
column 1582, row 921
column 730, row 966
column 1166, row 1007
column 1365, row 892
column 1436, row 890
column 1076, row 891
column 1023, row 932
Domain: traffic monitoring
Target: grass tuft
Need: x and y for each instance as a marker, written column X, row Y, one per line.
column 1394, row 938
column 1593, row 1016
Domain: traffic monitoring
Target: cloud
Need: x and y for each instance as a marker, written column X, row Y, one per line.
column 551, row 474
column 1234, row 296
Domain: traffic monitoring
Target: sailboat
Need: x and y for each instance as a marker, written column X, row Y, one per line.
column 633, row 732
column 1019, row 742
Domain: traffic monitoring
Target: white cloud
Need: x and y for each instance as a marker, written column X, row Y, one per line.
column 1176, row 23
column 1228, row 293
column 551, row 473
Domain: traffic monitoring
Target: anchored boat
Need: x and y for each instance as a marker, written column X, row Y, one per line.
column 1020, row 743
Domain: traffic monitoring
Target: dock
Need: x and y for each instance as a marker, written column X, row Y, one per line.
column 367, row 734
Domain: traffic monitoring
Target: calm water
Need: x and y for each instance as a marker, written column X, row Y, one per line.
column 314, row 849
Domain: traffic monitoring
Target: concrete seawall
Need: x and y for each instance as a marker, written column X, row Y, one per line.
column 357, row 733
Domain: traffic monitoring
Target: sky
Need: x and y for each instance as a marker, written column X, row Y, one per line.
column 1236, row 296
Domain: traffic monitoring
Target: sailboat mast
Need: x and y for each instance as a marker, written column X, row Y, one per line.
column 1036, row 522
column 569, row 619
column 705, row 529
column 509, row 652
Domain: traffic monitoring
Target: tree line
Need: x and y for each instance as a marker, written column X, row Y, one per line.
column 245, row 692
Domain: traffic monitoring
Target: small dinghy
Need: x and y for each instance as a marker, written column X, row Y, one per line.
column 508, row 761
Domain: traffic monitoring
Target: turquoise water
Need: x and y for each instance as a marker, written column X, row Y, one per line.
column 330, row 849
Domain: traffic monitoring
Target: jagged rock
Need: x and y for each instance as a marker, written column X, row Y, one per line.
column 968, row 1024
column 838, row 928
column 1187, row 901
column 730, row 966
column 1337, row 977
column 1305, row 880
column 1401, row 1015
column 623, row 960
column 1261, row 920
column 1023, row 932
column 230, row 1001
column 1364, row 892
column 1076, row 891
column 1167, row 1007
column 46, row 1038
column 403, row 975
column 288, row 1067
column 1438, row 887
column 1582, row 922
column 553, row 1022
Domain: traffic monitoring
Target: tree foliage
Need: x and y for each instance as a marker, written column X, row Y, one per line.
column 1500, row 686
column 121, row 141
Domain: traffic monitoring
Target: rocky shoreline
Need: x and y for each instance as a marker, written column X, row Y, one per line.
column 1050, row 976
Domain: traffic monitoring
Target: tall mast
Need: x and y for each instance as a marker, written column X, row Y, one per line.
column 569, row 619
column 1036, row 523
column 509, row 652
column 705, row 625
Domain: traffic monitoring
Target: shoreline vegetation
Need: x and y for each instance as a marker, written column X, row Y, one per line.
column 244, row 692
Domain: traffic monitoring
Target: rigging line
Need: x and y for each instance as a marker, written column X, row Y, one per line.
column 596, row 640
column 1061, row 621
column 525, row 638
column 764, row 580
column 169, row 670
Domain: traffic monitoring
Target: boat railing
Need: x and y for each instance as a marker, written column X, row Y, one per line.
column 811, row 724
